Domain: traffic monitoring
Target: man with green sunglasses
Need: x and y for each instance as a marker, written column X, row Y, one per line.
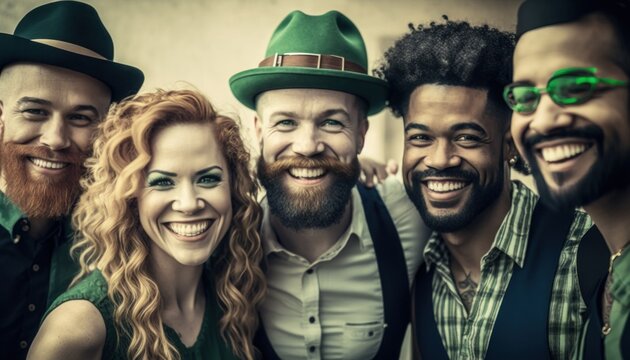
column 577, row 139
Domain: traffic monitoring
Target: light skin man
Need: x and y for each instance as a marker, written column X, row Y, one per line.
column 575, row 133
column 471, row 300
column 337, row 255
column 53, row 94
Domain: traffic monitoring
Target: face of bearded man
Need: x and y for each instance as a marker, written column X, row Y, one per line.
column 37, row 195
column 49, row 116
column 308, row 207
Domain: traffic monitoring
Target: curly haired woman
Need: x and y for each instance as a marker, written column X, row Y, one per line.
column 168, row 241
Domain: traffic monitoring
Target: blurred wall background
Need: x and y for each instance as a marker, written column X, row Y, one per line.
column 179, row 43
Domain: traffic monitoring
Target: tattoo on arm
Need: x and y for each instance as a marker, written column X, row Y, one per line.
column 467, row 290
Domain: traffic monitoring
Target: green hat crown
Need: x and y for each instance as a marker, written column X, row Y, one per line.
column 329, row 34
column 70, row 34
column 319, row 52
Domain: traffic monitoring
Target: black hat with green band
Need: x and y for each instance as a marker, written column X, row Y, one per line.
column 70, row 34
column 313, row 52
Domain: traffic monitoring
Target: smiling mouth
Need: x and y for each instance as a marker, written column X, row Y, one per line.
column 444, row 186
column 189, row 229
column 307, row 173
column 48, row 164
column 563, row 152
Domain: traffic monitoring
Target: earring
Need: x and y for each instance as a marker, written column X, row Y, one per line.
column 513, row 160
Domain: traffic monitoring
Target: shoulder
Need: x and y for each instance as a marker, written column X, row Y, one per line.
column 73, row 330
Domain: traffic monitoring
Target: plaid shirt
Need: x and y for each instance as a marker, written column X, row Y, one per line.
column 466, row 336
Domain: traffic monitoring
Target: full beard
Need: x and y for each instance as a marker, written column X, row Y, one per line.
column 312, row 207
column 480, row 198
column 610, row 172
column 41, row 196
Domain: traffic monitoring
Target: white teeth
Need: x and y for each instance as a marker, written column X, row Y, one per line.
column 562, row 152
column 306, row 172
column 48, row 164
column 189, row 229
column 445, row 186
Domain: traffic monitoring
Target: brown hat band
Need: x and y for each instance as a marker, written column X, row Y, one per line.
column 317, row 61
column 70, row 47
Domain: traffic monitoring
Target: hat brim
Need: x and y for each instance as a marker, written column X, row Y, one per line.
column 248, row 84
column 123, row 80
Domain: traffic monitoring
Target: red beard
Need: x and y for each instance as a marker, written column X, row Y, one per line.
column 41, row 196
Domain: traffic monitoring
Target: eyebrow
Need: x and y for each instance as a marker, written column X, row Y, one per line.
column 468, row 126
column 326, row 113
column 172, row 174
column 416, row 126
column 28, row 99
column 456, row 127
column 203, row 171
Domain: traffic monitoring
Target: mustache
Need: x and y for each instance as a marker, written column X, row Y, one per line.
column 419, row 175
column 590, row 132
column 43, row 152
column 319, row 161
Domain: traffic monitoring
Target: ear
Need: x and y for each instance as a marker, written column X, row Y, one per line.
column 509, row 150
column 258, row 128
column 1, row 120
column 364, row 125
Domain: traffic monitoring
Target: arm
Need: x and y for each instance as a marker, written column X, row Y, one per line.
column 74, row 330
column 371, row 168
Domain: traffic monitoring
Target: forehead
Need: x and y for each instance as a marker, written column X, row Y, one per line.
column 306, row 101
column 590, row 41
column 435, row 105
column 52, row 83
column 186, row 146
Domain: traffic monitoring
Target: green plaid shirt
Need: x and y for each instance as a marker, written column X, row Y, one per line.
column 466, row 336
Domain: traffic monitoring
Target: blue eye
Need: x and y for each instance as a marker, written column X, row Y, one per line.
column 209, row 180
column 160, row 182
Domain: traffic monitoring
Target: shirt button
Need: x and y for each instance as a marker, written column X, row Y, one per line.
column 31, row 307
column 25, row 225
column 311, row 319
column 23, row 344
column 35, row 267
column 311, row 349
column 17, row 239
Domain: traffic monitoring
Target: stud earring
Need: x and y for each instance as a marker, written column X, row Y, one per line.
column 513, row 160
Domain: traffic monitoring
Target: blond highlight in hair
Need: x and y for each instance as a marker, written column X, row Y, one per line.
column 109, row 235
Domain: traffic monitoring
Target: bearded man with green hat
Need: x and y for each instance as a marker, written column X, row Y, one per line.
column 339, row 256
column 57, row 80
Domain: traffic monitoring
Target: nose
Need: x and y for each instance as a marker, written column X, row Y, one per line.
column 55, row 134
column 308, row 142
column 187, row 201
column 549, row 116
column 442, row 156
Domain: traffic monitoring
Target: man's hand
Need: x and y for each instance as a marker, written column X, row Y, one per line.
column 371, row 169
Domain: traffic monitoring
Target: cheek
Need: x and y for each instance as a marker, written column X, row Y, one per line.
column 150, row 207
column 518, row 128
column 82, row 137
column 411, row 161
column 20, row 132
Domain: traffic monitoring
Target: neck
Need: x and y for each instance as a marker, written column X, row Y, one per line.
column 311, row 243
column 468, row 245
column 610, row 214
column 180, row 285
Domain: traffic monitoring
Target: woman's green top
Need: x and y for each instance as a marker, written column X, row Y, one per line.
column 209, row 344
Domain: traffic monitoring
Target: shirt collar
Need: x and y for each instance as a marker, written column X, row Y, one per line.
column 358, row 226
column 10, row 213
column 511, row 237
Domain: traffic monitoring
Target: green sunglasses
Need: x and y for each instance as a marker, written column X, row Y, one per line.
column 568, row 86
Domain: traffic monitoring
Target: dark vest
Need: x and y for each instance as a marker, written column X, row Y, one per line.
column 392, row 269
column 521, row 327
column 593, row 260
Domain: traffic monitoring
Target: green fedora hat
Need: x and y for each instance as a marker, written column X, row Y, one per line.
column 71, row 35
column 313, row 52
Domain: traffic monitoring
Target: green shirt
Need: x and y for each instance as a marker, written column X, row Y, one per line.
column 467, row 335
column 209, row 344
